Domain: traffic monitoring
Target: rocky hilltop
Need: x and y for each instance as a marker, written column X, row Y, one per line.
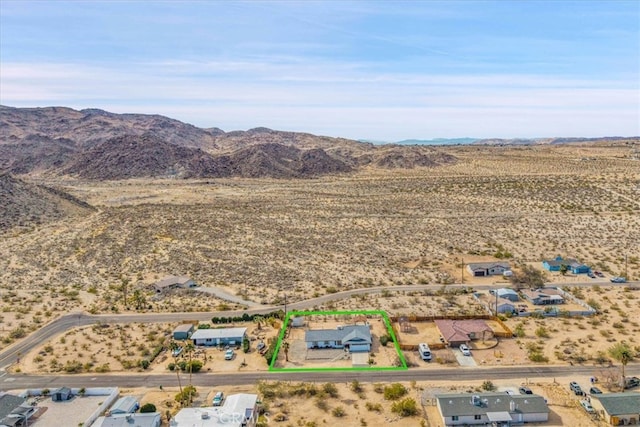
column 96, row 144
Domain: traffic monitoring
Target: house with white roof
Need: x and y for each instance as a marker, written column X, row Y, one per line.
column 238, row 410
column 216, row 337
column 151, row 419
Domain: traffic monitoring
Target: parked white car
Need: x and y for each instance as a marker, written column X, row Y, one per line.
column 465, row 350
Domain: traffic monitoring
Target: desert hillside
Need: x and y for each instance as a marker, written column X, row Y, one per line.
column 26, row 204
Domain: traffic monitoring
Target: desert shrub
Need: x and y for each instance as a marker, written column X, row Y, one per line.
column 384, row 340
column 144, row 363
column 330, row 389
column 148, row 408
column 405, row 407
column 394, row 391
column 373, row 407
column 488, row 386
column 338, row 411
column 542, row 332
column 187, row 395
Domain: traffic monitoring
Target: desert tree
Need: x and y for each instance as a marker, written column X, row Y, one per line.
column 623, row 354
column 285, row 348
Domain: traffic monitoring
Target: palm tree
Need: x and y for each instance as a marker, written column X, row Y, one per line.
column 258, row 320
column 174, row 346
column 623, row 354
column 189, row 348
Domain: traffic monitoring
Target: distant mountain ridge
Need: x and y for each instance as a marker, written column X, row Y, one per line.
column 505, row 141
column 96, row 144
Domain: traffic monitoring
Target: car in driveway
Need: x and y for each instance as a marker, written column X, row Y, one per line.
column 465, row 350
column 228, row 355
column 595, row 390
column 525, row 390
column 592, row 275
column 599, row 273
column 587, row 406
column 632, row 382
column 575, row 388
column 218, row 399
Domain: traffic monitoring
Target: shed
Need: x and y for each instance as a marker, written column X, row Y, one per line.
column 506, row 308
column 125, row 405
column 61, row 394
column 183, row 331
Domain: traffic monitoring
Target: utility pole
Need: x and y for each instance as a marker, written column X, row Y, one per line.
column 626, row 275
column 462, row 270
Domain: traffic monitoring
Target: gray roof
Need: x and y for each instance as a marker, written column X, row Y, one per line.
column 619, row 403
column 151, row 419
column 172, row 281
column 184, row 327
column 473, row 265
column 223, row 333
column 570, row 262
column 506, row 291
column 125, row 405
column 460, row 404
column 8, row 402
column 346, row 333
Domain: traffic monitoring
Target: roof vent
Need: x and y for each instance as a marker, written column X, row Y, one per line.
column 475, row 400
column 205, row 416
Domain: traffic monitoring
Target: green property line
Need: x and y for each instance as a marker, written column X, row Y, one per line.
column 381, row 313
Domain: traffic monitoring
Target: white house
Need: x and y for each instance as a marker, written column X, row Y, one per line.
column 491, row 409
column 482, row 269
column 214, row 337
column 151, row 419
column 238, row 410
column 125, row 405
column 355, row 338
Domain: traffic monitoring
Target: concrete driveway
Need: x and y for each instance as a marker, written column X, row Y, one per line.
column 462, row 359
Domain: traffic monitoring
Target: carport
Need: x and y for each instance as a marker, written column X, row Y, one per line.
column 499, row 418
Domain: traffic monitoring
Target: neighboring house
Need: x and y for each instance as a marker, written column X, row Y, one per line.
column 61, row 394
column 183, row 331
column 482, row 269
column 491, row 409
column 544, row 296
column 617, row 408
column 224, row 336
column 10, row 410
column 355, row 338
column 238, row 410
column 506, row 308
column 457, row 332
column 573, row 265
column 173, row 282
column 125, row 405
column 508, row 294
column 150, row 419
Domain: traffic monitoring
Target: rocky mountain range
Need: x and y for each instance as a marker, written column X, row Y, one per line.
column 95, row 144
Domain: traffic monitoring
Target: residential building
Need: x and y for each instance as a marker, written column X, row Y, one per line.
column 238, row 410
column 543, row 296
column 617, row 408
column 150, row 419
column 491, row 409
column 173, row 282
column 355, row 338
column 125, row 405
column 482, row 269
column 508, row 294
column 216, row 337
column 573, row 265
column 14, row 410
column 457, row 332
column 183, row 331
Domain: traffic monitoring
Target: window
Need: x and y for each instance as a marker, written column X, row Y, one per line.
column 477, row 417
column 454, row 418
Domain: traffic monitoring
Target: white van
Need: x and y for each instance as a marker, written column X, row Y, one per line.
column 425, row 351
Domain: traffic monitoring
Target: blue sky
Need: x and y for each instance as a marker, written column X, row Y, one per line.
column 376, row 70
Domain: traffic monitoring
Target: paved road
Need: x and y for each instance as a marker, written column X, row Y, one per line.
column 10, row 355
column 520, row 373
